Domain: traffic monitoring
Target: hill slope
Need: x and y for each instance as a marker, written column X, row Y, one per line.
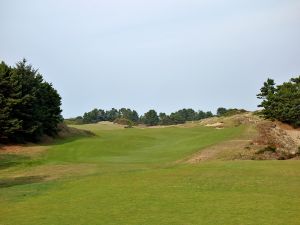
column 262, row 139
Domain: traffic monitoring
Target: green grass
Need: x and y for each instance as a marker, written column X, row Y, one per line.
column 135, row 180
column 140, row 145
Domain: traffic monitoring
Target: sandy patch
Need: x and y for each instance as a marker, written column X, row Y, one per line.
column 218, row 125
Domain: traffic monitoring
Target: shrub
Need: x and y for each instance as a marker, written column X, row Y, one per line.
column 229, row 112
column 124, row 121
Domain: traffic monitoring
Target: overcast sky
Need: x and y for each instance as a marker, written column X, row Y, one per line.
column 160, row 54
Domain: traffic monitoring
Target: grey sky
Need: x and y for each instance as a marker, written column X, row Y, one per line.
column 156, row 54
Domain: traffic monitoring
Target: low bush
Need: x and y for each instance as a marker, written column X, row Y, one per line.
column 124, row 121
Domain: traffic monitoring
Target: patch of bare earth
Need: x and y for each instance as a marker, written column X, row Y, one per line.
column 277, row 141
column 262, row 140
column 222, row 151
column 292, row 132
column 218, row 125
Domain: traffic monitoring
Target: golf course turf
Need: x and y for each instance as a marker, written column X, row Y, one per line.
column 138, row 176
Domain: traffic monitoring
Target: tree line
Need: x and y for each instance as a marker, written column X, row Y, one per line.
column 128, row 116
column 29, row 106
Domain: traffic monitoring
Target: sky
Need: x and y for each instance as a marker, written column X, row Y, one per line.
column 157, row 54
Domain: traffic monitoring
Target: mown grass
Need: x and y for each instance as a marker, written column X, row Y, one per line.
column 140, row 145
column 136, row 180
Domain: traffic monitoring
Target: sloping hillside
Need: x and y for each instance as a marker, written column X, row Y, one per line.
column 262, row 139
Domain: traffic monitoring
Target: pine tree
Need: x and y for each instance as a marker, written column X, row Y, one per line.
column 151, row 118
column 30, row 107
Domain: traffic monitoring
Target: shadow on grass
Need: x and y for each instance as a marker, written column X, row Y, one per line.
column 56, row 140
column 59, row 140
column 9, row 182
column 8, row 160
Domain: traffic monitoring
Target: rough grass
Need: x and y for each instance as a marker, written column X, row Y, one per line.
column 129, row 176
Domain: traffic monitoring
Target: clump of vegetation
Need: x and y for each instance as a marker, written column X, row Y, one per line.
column 97, row 115
column 124, row 121
column 229, row 112
column 29, row 106
column 281, row 102
column 183, row 115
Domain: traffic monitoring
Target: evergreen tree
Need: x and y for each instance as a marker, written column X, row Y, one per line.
column 30, row 107
column 281, row 102
column 208, row 114
column 134, row 117
column 112, row 114
column 177, row 117
column 129, row 114
column 164, row 119
column 151, row 118
column 221, row 111
column 9, row 124
column 91, row 117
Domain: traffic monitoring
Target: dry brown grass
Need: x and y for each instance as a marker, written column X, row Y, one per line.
column 47, row 172
column 26, row 150
column 53, row 172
